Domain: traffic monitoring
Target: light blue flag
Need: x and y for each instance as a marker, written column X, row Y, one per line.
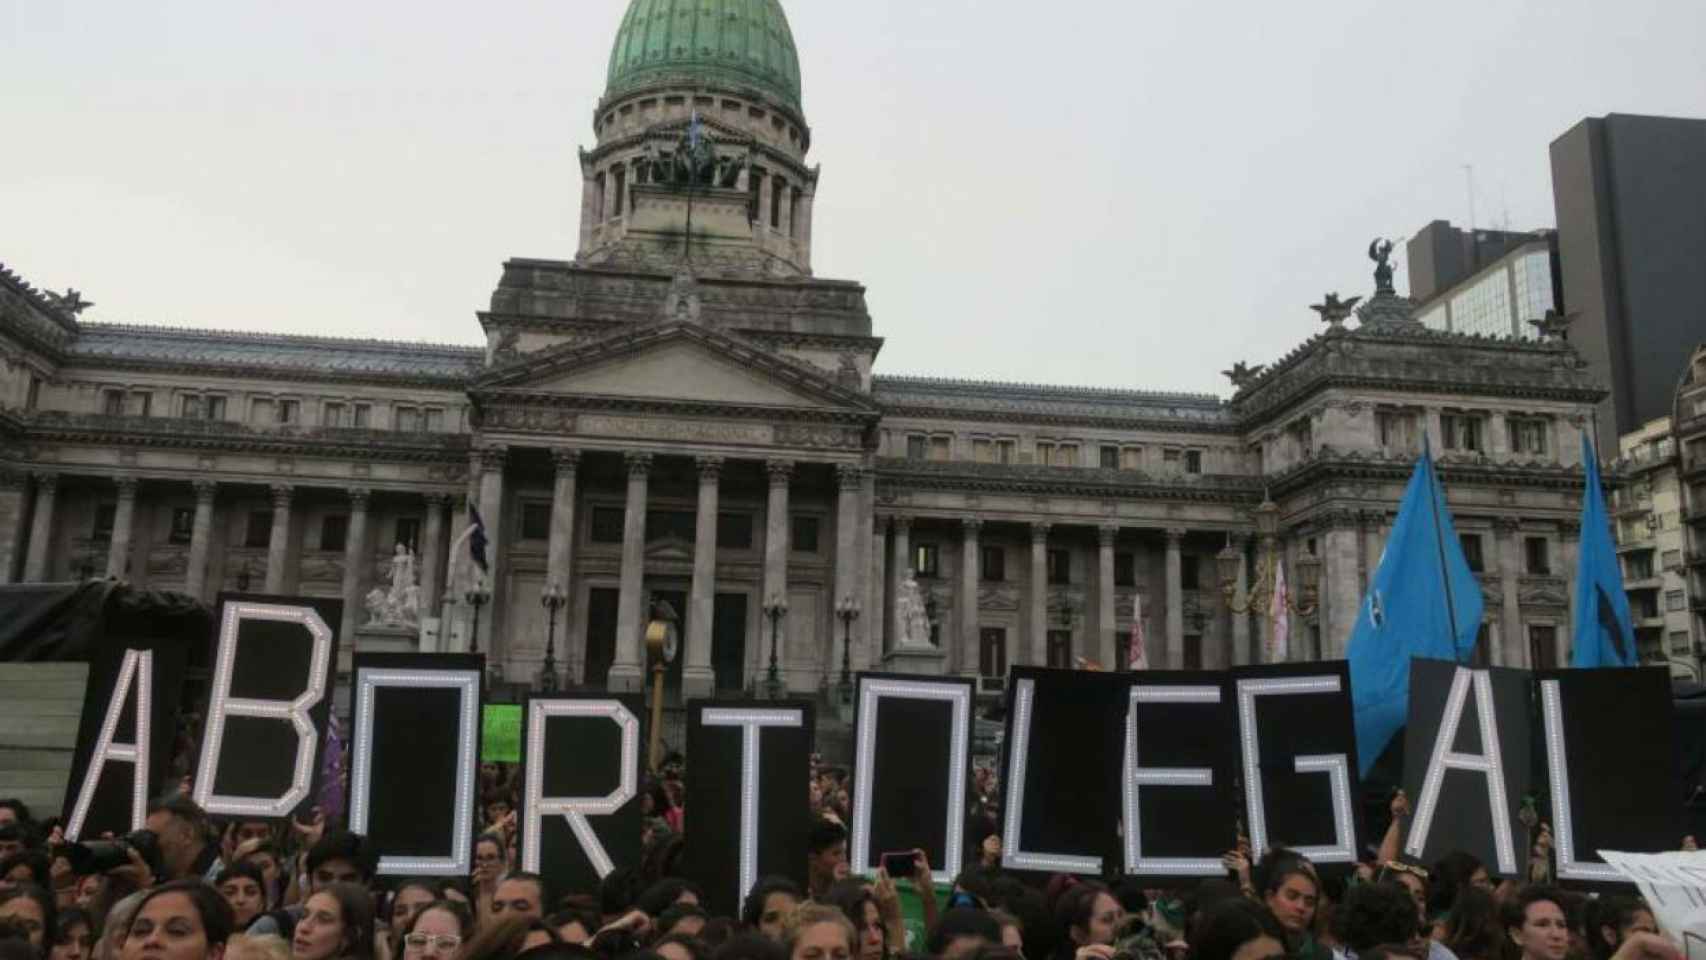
column 1603, row 630
column 1424, row 602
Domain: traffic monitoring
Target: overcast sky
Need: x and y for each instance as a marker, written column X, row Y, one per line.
column 1105, row 192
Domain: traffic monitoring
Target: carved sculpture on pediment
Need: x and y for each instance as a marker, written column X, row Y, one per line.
column 847, row 372
column 399, row 606
column 508, row 346
column 1003, row 597
column 683, row 302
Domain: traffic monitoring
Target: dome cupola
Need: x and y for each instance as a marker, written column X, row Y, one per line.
column 742, row 43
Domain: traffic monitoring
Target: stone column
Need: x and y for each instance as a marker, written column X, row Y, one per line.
column 878, row 614
column 12, row 491
column 966, row 609
column 627, row 667
column 278, row 542
column 698, row 677
column 1106, row 615
column 1268, row 549
column 776, row 547
column 201, row 533
column 1342, row 589
column 1510, row 593
column 124, row 525
column 1038, row 645
column 898, row 567
column 849, row 585
column 559, row 553
column 868, row 629
column 492, row 461
column 357, row 556
column 1569, row 544
column 1240, row 598
column 1175, row 600
column 41, row 528
column 432, row 561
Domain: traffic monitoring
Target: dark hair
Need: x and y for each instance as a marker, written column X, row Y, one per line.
column 1472, row 927
column 185, row 809
column 355, row 908
column 1373, row 914
column 963, row 922
column 13, row 944
column 1616, row 912
column 825, row 834
column 70, row 917
column 1393, row 951
column 1278, row 865
column 676, row 913
column 749, row 946
column 535, row 879
column 618, row 891
column 577, row 908
column 464, row 918
column 216, row 918
column 1228, row 925
column 695, row 946
column 19, row 809
column 244, row 870
column 342, row 845
column 502, row 939
column 752, row 909
column 850, row 896
column 492, row 839
column 1450, row 875
column 1516, row 907
column 662, row 895
column 41, row 872
column 1075, row 906
column 16, row 832
column 44, row 900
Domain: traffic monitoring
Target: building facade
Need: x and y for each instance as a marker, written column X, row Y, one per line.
column 684, row 412
column 1482, row 282
column 1652, row 544
column 1689, row 427
column 1630, row 193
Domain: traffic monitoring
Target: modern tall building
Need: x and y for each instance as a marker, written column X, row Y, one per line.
column 1630, row 193
column 1487, row 283
column 681, row 411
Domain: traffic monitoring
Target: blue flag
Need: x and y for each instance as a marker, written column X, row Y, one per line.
column 1424, row 602
column 477, row 538
column 1603, row 630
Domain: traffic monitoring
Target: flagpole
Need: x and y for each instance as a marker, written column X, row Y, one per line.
column 1439, row 543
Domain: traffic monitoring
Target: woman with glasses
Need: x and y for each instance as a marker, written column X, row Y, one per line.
column 437, row 931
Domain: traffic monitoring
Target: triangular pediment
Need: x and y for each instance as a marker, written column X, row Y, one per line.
column 679, row 362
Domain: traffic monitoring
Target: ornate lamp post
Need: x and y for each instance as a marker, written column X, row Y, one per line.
column 552, row 598
column 774, row 610
column 847, row 611
column 1261, row 593
column 477, row 596
column 661, row 647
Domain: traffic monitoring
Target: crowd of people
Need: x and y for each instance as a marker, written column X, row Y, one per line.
column 190, row 887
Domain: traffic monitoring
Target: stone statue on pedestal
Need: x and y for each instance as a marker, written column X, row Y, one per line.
column 914, row 618
column 398, row 607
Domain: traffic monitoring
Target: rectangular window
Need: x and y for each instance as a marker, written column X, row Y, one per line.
column 1393, row 427
column 361, row 415
column 1193, row 651
column 263, row 411
column 1538, row 556
column 289, row 411
column 334, row 532
column 331, row 415
column 993, row 561
column 215, row 407
column 982, row 451
column 189, row 407
column 1303, row 434
column 1045, row 454
column 1131, row 458
column 940, row 448
column 734, row 531
column 1472, row 551
column 535, row 520
column 1059, row 566
column 183, row 526
column 1543, row 646
column 1125, row 569
column 1639, row 566
column 1110, row 458
column 1005, row 450
column 112, row 403
column 1193, row 461
column 1674, row 601
column 142, row 403
column 258, row 531
column 432, row 420
column 621, row 181
column 104, row 515
column 607, row 524
column 992, row 652
column 408, row 533
column 409, row 419
column 1461, row 431
column 917, row 447
column 1171, row 460
column 927, row 560
column 32, row 397
column 1060, row 649
column 1066, row 455
column 1672, row 559
column 1188, row 568
column 671, row 525
column 1679, row 642
column 804, row 533
column 1527, row 436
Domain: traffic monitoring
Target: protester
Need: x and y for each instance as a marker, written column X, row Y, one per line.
column 1238, row 930
column 577, row 921
column 1089, row 915
column 827, row 857
column 186, row 838
column 1612, row 919
column 520, row 894
column 33, row 909
column 963, row 931
column 244, row 888
column 336, row 924
column 75, row 937
column 1455, row 871
column 408, row 898
column 1372, row 915
column 1472, row 928
column 859, row 905
column 816, row 932
column 437, row 931
column 680, row 946
column 767, row 907
column 179, row 920
column 243, row 946
column 1537, row 924
column 506, row 937
column 1413, row 878
column 488, row 869
column 1289, row 888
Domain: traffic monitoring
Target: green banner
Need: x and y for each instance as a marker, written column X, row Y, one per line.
column 500, row 735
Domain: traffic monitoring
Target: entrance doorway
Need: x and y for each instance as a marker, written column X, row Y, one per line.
column 600, row 634
column 728, row 642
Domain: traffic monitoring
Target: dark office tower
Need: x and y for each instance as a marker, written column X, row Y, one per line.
column 1630, row 194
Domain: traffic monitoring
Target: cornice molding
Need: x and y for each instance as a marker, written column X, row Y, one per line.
column 224, row 436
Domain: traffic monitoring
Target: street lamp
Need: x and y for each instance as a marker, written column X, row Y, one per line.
column 477, row 596
column 847, row 611
column 1261, row 593
column 552, row 598
column 774, row 611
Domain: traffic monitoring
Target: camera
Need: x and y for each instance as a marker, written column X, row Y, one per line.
column 99, row 856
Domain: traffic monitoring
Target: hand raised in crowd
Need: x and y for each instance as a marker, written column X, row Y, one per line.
column 1094, row 951
column 136, row 871
column 309, row 833
column 887, row 896
column 635, row 922
column 1647, row 946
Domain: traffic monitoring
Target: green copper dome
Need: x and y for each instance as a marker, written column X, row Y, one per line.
column 741, row 42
